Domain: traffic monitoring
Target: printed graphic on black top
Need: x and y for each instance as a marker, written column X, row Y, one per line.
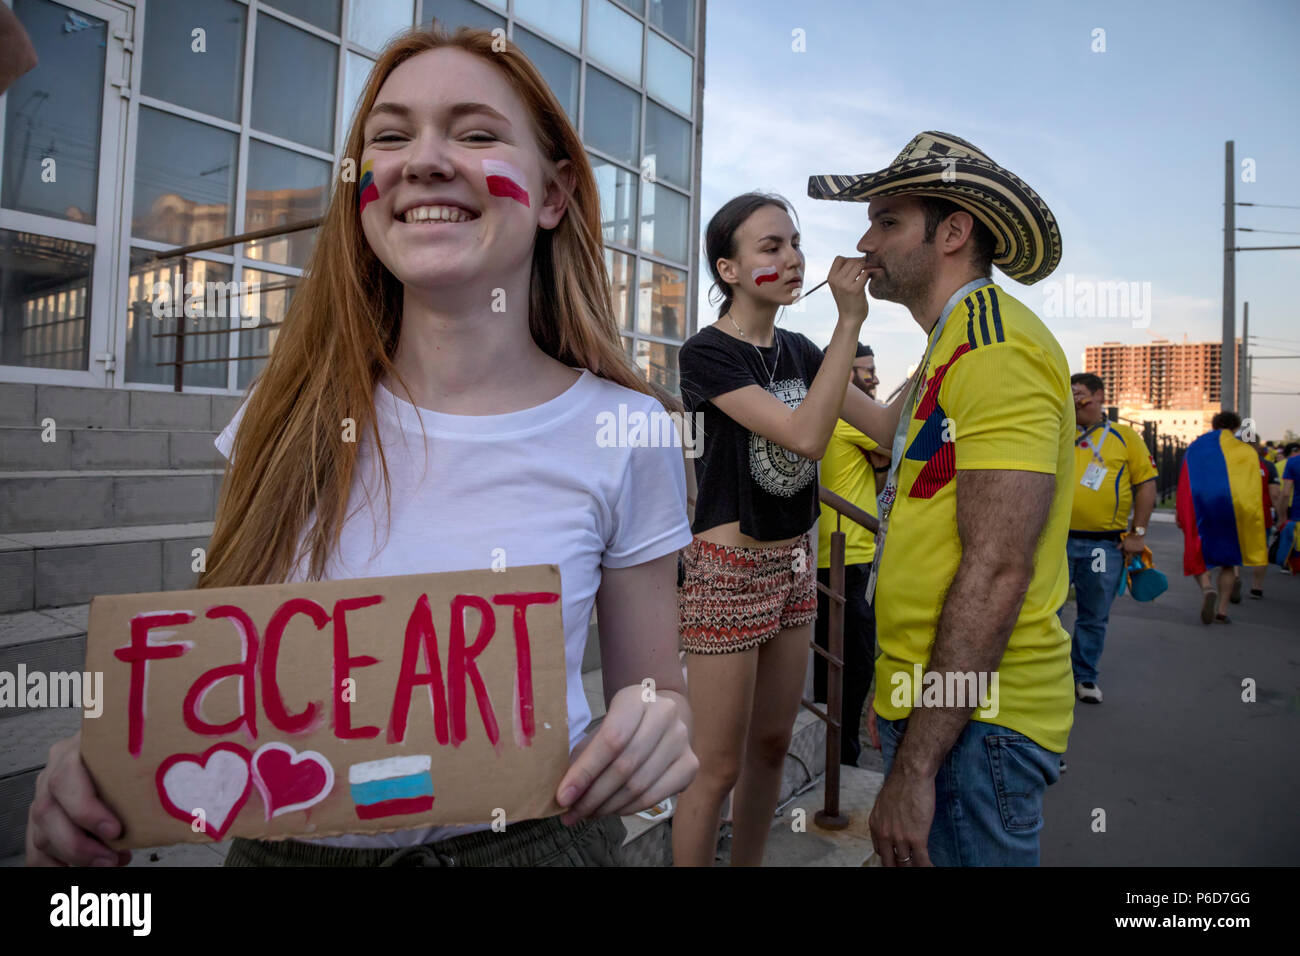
column 770, row 491
column 778, row 470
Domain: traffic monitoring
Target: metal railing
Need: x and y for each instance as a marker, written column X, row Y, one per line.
column 182, row 255
column 830, row 817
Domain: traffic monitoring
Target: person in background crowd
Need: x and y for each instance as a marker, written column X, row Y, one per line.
column 1113, row 475
column 1271, row 486
column 847, row 470
column 970, row 558
column 1219, row 511
column 1290, row 477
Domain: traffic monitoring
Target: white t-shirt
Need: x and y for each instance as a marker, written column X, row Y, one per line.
column 539, row 483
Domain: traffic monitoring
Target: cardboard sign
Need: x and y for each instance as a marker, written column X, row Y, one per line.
column 329, row 707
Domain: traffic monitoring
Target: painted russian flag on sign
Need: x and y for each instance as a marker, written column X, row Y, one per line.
column 391, row 787
column 369, row 191
column 1222, row 474
column 505, row 180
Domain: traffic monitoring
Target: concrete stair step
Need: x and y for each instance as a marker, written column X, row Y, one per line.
column 25, row 743
column 50, row 569
column 797, row 840
column 64, row 500
column 49, row 641
column 72, row 407
column 23, row 448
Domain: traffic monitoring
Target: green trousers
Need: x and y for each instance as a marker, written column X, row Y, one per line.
column 546, row 842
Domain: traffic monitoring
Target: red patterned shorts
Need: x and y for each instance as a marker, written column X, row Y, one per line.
column 733, row 599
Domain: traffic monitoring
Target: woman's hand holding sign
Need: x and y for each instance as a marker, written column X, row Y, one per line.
column 66, row 812
column 640, row 754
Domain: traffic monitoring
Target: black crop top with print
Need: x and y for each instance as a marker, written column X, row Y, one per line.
column 741, row 476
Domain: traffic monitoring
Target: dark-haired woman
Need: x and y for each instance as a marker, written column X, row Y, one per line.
column 769, row 399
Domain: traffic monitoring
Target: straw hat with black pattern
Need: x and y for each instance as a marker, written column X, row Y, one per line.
column 940, row 164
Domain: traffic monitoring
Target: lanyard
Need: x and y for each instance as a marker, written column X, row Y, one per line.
column 1096, row 447
column 886, row 503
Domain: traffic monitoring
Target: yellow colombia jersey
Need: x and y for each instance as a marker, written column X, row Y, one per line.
column 847, row 472
column 1127, row 464
column 996, row 395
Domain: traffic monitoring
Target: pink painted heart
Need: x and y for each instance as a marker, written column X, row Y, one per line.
column 288, row 780
column 210, row 788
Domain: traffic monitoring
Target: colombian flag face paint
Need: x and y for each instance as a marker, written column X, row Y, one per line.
column 505, row 180
column 765, row 274
column 369, row 191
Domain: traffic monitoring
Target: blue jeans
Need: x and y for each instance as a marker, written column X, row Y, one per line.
column 1094, row 592
column 988, row 795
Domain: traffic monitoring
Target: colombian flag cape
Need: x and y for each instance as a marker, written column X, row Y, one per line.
column 1220, row 482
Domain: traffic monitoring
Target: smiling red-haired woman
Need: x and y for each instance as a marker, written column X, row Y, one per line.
column 456, row 319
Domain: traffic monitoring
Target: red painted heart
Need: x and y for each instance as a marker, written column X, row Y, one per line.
column 288, row 780
column 208, row 789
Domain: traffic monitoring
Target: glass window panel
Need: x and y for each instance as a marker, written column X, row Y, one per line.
column 319, row 13
column 636, row 6
column 661, row 301
column 284, row 187
column 668, row 73
column 53, row 112
column 374, row 22
column 210, row 82
column 267, row 297
column 663, row 366
column 461, row 13
column 665, row 215
column 160, row 298
column 44, row 301
column 676, row 18
column 562, row 19
column 283, row 104
column 628, row 347
column 184, row 180
column 558, row 68
column 617, row 201
column 612, row 117
column 658, row 362
column 614, row 39
column 619, row 265
column 354, row 84
column 667, row 146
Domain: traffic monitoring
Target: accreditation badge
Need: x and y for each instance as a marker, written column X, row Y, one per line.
column 1094, row 476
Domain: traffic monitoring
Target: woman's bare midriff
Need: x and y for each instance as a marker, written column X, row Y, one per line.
column 730, row 536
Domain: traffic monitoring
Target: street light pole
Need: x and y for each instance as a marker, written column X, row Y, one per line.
column 1243, row 390
column 1226, row 377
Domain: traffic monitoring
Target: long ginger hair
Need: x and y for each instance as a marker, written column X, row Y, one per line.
column 289, row 461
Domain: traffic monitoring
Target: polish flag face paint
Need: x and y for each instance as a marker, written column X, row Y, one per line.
column 369, row 191
column 765, row 274
column 506, row 180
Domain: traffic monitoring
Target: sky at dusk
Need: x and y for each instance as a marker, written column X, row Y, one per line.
column 1126, row 146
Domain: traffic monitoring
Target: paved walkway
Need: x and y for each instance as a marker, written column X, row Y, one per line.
column 1186, row 772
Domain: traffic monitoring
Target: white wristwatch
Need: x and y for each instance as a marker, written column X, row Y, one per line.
column 1140, row 532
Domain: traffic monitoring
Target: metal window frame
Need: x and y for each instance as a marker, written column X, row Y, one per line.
column 104, row 285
